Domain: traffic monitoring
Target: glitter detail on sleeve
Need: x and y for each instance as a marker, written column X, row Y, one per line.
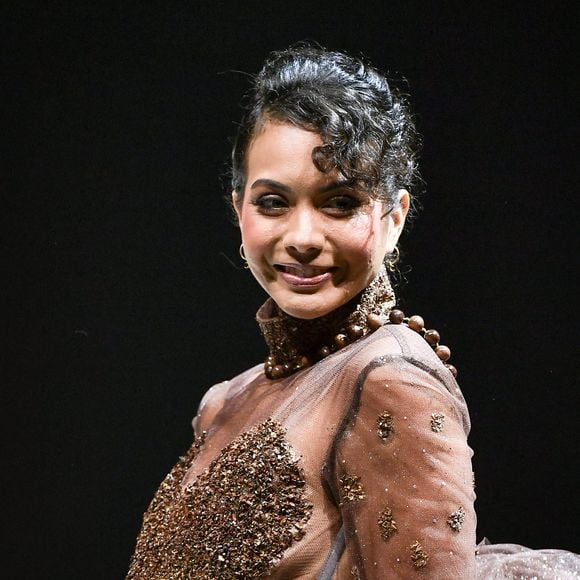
column 387, row 524
column 384, row 425
column 419, row 557
column 234, row 521
column 351, row 488
column 437, row 422
column 456, row 519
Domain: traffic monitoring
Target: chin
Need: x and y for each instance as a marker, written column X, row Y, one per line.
column 304, row 314
column 308, row 307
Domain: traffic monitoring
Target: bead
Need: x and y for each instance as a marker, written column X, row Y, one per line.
column 374, row 321
column 354, row 331
column 286, row 368
column 277, row 371
column 303, row 362
column 340, row 340
column 324, row 351
column 396, row 316
column 452, row 369
column 416, row 323
column 432, row 337
column 443, row 352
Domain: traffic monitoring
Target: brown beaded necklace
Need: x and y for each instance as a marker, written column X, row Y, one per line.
column 417, row 324
column 296, row 344
column 353, row 333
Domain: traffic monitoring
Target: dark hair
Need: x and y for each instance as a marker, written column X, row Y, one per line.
column 365, row 125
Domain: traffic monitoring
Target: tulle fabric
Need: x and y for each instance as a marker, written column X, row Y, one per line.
column 515, row 562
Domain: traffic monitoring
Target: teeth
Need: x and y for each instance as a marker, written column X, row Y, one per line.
column 304, row 271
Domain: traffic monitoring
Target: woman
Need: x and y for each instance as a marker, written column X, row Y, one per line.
column 345, row 455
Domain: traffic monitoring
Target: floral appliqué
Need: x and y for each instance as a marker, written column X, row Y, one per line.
column 437, row 422
column 387, row 524
column 351, row 488
column 419, row 557
column 384, row 425
column 456, row 519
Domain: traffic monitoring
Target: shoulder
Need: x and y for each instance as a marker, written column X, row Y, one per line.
column 215, row 397
column 394, row 346
column 402, row 369
column 400, row 340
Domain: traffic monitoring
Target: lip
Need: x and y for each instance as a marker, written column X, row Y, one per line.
column 304, row 275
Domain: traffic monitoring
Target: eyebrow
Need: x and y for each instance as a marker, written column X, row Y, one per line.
column 342, row 183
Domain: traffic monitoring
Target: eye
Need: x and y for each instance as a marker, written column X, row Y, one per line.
column 270, row 204
column 342, row 204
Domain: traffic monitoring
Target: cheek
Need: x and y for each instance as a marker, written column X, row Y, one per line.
column 256, row 235
column 363, row 239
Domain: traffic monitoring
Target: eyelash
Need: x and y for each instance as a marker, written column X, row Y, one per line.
column 268, row 204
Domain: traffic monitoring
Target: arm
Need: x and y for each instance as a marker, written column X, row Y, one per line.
column 404, row 479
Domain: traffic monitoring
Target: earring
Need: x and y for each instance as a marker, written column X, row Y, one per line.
column 243, row 256
column 392, row 260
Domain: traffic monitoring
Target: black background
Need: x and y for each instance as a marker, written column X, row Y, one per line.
column 124, row 299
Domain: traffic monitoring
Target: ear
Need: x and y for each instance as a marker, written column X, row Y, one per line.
column 397, row 218
column 237, row 203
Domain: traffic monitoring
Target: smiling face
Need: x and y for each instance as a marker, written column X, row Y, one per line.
column 310, row 240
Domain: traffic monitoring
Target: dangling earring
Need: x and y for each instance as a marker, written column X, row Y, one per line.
column 393, row 259
column 243, row 256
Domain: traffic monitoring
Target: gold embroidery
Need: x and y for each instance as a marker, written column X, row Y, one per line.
column 456, row 519
column 385, row 425
column 419, row 557
column 234, row 521
column 352, row 488
column 387, row 524
column 437, row 422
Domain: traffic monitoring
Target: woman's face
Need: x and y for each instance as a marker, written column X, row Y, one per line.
column 310, row 240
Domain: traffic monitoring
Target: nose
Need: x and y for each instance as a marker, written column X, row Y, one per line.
column 304, row 238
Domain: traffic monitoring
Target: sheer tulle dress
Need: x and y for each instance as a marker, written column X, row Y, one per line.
column 354, row 467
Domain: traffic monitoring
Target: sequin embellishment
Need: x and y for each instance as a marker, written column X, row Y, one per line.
column 419, row 557
column 385, row 425
column 234, row 521
column 354, row 573
column 437, row 422
column 456, row 519
column 351, row 488
column 387, row 524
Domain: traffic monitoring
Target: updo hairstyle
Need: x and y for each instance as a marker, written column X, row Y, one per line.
column 365, row 125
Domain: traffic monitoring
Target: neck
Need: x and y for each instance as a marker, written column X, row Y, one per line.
column 295, row 343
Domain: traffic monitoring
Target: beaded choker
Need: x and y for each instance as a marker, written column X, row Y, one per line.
column 296, row 343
